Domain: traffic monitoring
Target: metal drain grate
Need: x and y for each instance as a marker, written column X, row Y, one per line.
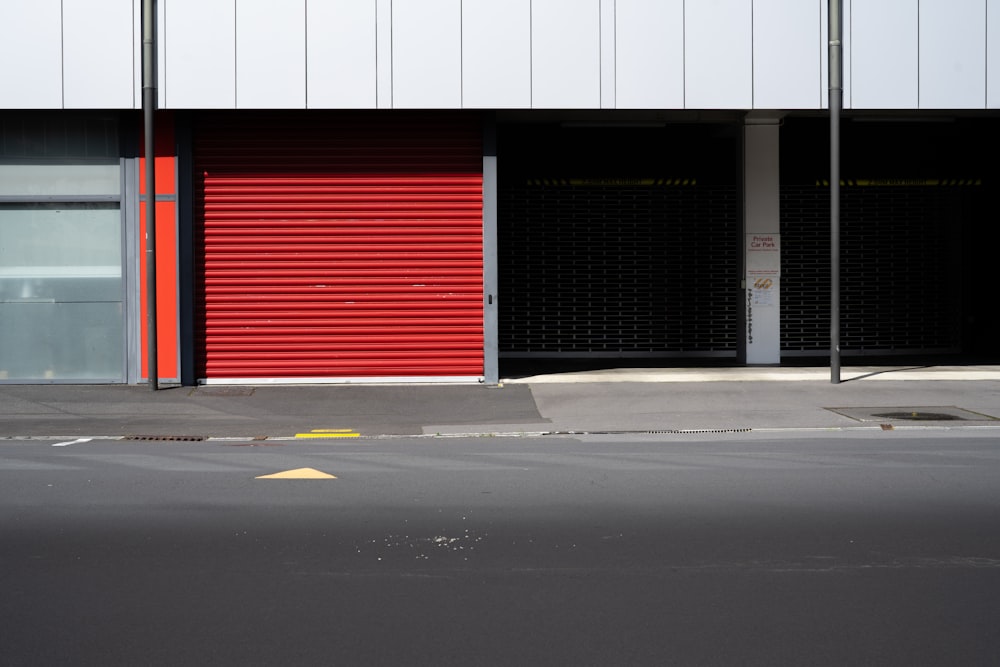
column 920, row 416
column 167, row 438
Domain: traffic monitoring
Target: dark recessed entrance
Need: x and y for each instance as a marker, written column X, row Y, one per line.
column 618, row 242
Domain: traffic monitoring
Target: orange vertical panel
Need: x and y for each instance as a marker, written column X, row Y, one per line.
column 167, row 297
column 166, row 290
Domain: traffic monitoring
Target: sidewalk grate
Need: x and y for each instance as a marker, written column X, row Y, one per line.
column 920, row 416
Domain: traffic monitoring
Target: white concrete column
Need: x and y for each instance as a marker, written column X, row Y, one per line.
column 762, row 248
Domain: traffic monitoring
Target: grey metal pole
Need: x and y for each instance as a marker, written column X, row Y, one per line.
column 148, row 105
column 836, row 103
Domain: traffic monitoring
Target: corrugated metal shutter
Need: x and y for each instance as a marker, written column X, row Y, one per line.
column 618, row 270
column 900, row 269
column 618, row 241
column 338, row 246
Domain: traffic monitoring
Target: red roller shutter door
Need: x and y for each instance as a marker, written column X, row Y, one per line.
column 337, row 247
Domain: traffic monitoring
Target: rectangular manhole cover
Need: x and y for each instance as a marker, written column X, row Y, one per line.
column 913, row 414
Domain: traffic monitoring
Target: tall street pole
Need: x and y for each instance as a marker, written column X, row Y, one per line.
column 148, row 105
column 836, row 104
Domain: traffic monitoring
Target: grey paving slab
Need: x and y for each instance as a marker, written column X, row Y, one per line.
column 16, row 405
column 632, row 400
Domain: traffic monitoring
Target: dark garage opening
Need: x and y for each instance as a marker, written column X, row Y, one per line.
column 917, row 240
column 618, row 245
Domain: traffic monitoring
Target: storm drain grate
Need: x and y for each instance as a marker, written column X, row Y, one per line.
column 920, row 416
column 913, row 414
column 167, row 438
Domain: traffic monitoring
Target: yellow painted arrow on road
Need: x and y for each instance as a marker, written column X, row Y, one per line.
column 299, row 473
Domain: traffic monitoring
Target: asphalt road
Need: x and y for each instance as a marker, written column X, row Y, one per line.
column 860, row 549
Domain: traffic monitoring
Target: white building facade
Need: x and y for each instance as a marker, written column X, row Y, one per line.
column 419, row 190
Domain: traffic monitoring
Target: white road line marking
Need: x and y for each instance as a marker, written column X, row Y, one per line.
column 72, row 442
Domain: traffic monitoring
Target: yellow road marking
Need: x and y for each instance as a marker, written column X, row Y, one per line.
column 299, row 473
column 329, row 433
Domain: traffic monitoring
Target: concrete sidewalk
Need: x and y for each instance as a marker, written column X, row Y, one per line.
column 766, row 374
column 618, row 400
column 769, row 398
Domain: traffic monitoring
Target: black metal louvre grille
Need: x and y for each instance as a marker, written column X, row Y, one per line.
column 900, row 269
column 618, row 269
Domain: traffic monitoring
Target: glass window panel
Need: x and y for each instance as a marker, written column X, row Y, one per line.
column 61, row 341
column 32, row 180
column 61, row 277
column 60, row 252
column 60, row 234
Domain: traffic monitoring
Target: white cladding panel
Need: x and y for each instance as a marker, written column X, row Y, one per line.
column 591, row 54
column 608, row 62
column 884, row 56
column 952, row 54
column 30, row 54
column 271, row 54
column 383, row 54
column 718, row 67
column 566, row 54
column 649, row 54
column 98, row 67
column 198, row 70
column 161, row 55
column 787, row 51
column 427, row 54
column 341, row 54
column 496, row 54
column 993, row 55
